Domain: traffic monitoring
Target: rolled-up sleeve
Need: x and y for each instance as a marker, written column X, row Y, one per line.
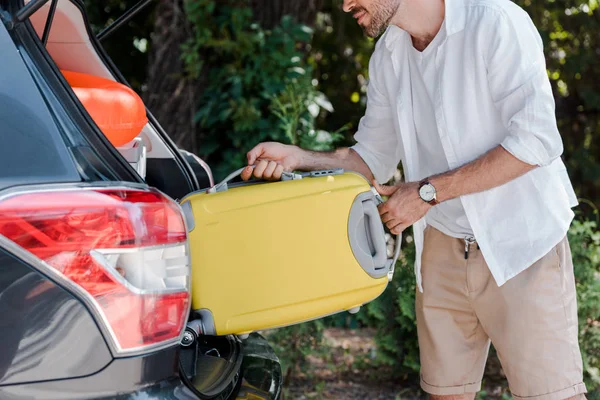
column 376, row 139
column 521, row 89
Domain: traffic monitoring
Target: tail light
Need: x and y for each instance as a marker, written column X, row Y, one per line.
column 126, row 251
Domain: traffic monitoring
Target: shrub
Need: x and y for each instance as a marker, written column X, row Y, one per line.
column 257, row 84
column 584, row 239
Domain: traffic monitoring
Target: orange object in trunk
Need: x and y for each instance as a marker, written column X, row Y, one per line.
column 117, row 110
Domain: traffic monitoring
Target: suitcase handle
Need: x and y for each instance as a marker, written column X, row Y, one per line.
column 374, row 228
column 222, row 186
column 367, row 236
column 398, row 239
column 285, row 176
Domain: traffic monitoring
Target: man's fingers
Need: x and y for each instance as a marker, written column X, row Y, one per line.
column 383, row 208
column 384, row 190
column 278, row 172
column 247, row 172
column 268, row 174
column 387, row 217
column 393, row 224
column 396, row 230
column 260, row 168
column 254, row 154
column 263, row 170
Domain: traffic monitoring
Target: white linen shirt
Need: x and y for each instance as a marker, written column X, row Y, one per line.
column 448, row 217
column 492, row 90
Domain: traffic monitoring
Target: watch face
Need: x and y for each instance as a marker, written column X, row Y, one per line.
column 427, row 192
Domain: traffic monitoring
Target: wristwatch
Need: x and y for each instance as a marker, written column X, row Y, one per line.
column 427, row 192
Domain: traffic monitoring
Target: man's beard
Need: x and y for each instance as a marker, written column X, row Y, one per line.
column 381, row 15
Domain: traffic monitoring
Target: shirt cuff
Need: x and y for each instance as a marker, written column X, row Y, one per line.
column 522, row 151
column 379, row 171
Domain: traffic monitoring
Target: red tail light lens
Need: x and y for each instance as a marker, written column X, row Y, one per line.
column 127, row 250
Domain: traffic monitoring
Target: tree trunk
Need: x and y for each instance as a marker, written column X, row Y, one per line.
column 171, row 96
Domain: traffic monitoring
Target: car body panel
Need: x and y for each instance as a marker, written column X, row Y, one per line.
column 32, row 150
column 46, row 332
column 122, row 378
column 155, row 377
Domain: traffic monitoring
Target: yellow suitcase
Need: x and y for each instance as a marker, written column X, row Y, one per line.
column 267, row 255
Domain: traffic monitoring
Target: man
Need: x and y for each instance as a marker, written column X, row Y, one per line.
column 459, row 93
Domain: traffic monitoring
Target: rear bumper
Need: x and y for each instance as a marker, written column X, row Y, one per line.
column 172, row 389
column 156, row 376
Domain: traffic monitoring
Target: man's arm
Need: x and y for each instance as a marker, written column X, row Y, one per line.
column 345, row 158
column 492, row 169
column 271, row 159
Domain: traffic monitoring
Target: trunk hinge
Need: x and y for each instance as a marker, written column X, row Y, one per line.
column 7, row 20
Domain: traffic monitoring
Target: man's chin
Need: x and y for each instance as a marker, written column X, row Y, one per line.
column 370, row 32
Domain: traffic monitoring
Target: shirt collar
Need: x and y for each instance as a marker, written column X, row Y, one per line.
column 455, row 17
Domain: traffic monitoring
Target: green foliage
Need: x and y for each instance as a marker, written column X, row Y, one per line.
column 584, row 239
column 340, row 53
column 257, row 84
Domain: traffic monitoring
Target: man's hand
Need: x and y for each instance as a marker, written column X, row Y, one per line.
column 404, row 206
column 270, row 160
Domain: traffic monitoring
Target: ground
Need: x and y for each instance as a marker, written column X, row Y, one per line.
column 335, row 375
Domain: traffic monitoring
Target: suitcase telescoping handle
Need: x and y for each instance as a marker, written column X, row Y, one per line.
column 285, row 176
column 222, row 186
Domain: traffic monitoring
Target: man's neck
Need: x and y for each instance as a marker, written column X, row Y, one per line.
column 422, row 19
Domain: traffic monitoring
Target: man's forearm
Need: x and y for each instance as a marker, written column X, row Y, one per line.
column 492, row 169
column 345, row 158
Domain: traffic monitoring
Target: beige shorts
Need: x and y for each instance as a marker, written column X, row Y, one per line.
column 531, row 321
